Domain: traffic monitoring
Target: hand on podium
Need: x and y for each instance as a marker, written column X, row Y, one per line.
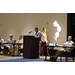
column 37, row 37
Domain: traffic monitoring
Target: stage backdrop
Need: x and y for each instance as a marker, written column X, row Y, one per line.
column 22, row 23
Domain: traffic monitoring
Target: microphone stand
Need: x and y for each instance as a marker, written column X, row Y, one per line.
column 30, row 32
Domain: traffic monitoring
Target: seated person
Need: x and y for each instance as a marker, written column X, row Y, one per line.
column 19, row 41
column 1, row 41
column 62, row 50
column 10, row 46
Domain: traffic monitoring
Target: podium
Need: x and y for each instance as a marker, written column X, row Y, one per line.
column 30, row 47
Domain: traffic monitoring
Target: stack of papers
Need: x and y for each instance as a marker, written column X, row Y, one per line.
column 51, row 44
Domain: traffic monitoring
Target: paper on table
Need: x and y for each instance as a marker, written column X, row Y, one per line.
column 51, row 44
column 60, row 45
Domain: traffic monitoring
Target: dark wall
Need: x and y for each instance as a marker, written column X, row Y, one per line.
column 71, row 25
column 71, row 28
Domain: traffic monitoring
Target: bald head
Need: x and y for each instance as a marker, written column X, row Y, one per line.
column 69, row 38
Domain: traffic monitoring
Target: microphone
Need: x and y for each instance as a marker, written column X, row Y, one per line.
column 30, row 32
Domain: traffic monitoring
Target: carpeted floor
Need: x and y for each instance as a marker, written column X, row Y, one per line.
column 21, row 59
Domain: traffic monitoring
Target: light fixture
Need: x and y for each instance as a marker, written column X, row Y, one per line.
column 58, row 31
column 55, row 23
column 57, row 34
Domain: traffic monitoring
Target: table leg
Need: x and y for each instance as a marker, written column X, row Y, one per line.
column 13, row 49
column 66, row 57
column 73, row 55
column 73, row 59
column 60, row 58
column 45, row 53
column 51, row 52
column 19, row 48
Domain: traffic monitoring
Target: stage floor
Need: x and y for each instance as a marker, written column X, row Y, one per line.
column 5, row 58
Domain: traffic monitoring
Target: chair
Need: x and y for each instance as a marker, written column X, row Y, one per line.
column 1, row 50
column 6, row 50
column 1, row 45
column 67, row 54
column 21, row 51
column 72, row 54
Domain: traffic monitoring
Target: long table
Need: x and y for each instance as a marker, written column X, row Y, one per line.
column 13, row 46
column 52, row 48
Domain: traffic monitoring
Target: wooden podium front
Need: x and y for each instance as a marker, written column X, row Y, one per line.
column 30, row 47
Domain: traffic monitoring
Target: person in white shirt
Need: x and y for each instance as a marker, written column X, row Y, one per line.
column 10, row 46
column 1, row 41
column 69, row 43
column 19, row 41
column 43, row 42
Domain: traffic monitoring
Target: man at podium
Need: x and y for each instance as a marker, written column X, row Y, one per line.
column 31, row 45
column 37, row 34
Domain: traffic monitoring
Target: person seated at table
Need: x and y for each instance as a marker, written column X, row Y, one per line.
column 62, row 50
column 43, row 42
column 2, row 45
column 10, row 46
column 19, row 41
column 1, row 40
